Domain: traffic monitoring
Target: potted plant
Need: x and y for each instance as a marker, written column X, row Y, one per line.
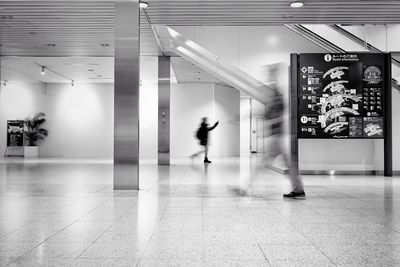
column 34, row 133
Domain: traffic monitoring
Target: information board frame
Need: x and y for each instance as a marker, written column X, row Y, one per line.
column 386, row 109
column 341, row 95
column 15, row 133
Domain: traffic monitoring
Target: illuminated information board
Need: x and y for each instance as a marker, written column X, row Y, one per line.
column 341, row 95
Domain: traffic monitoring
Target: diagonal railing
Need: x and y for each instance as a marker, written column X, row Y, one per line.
column 360, row 41
column 173, row 43
column 332, row 48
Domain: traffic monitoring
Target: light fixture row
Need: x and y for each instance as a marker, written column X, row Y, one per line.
column 43, row 72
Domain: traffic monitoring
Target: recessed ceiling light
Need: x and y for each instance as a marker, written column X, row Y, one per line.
column 51, row 45
column 143, row 4
column 297, row 4
column 105, row 45
column 286, row 16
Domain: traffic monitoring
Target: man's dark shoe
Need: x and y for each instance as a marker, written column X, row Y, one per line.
column 239, row 192
column 295, row 195
column 206, row 160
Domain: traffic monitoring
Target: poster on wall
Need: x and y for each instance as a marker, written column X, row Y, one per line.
column 15, row 133
column 341, row 95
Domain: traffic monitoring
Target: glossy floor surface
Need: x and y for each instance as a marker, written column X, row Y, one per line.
column 63, row 213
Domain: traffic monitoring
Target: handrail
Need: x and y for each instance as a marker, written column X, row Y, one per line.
column 332, row 48
column 173, row 43
column 360, row 41
column 315, row 38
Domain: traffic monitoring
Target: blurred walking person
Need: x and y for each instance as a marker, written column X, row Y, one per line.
column 202, row 135
column 274, row 115
column 275, row 120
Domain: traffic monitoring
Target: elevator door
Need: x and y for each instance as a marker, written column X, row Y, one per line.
column 260, row 135
column 257, row 136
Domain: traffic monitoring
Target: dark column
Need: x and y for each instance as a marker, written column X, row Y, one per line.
column 163, row 110
column 294, row 144
column 388, row 149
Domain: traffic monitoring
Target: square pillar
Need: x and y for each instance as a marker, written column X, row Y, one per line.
column 126, row 95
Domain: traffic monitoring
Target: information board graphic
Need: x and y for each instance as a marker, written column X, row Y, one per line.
column 15, row 133
column 341, row 95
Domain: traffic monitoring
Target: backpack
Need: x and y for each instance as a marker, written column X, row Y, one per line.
column 199, row 134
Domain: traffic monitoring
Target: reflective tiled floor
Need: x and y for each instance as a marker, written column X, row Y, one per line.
column 65, row 213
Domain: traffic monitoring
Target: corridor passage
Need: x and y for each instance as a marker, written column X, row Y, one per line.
column 62, row 213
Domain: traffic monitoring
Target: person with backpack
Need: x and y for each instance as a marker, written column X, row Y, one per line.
column 202, row 135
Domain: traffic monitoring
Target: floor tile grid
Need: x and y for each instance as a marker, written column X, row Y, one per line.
column 307, row 238
column 160, row 179
column 344, row 229
column 254, row 236
column 227, row 171
column 28, row 224
column 202, row 211
column 151, row 237
column 94, row 241
column 375, row 192
column 27, row 252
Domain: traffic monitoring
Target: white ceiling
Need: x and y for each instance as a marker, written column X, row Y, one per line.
column 90, row 70
column 187, row 72
column 58, row 69
column 78, row 28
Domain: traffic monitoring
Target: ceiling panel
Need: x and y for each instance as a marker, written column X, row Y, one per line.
column 80, row 27
column 187, row 72
column 76, row 28
column 272, row 12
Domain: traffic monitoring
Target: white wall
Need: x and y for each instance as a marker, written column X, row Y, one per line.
column 148, row 108
column 337, row 155
column 377, row 35
column 192, row 101
column 189, row 103
column 80, row 120
column 251, row 49
column 18, row 101
column 227, row 111
column 245, row 110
